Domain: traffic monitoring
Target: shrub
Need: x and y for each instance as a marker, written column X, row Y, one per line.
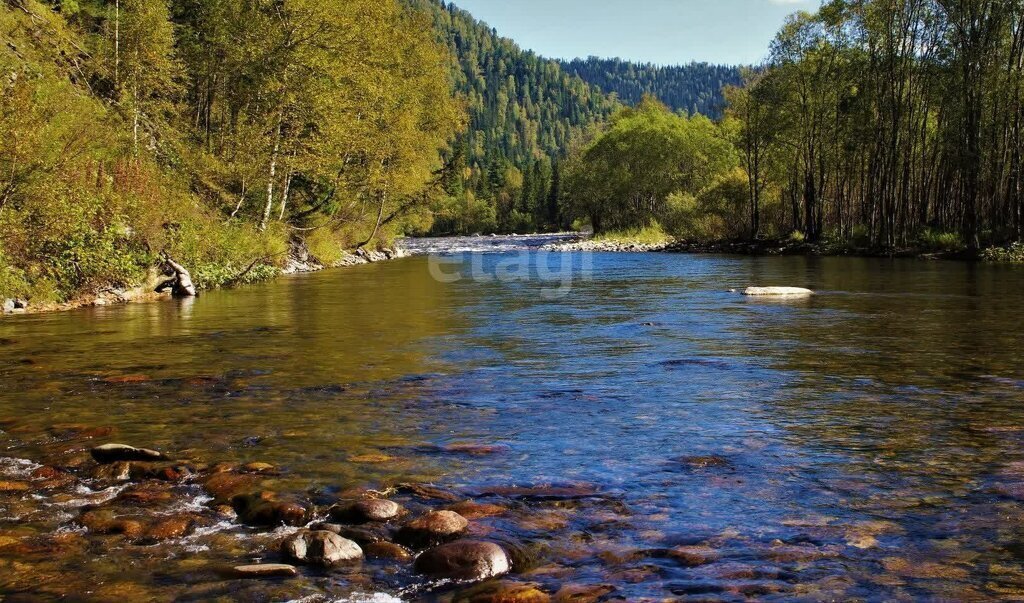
column 936, row 240
column 1014, row 253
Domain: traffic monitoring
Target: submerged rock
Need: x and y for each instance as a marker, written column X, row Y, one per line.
column 266, row 570
column 776, row 291
column 14, row 486
column 433, row 528
column 464, row 560
column 475, row 510
column 366, row 511
column 428, row 492
column 321, row 548
column 502, row 591
column 115, row 472
column 169, row 528
column 112, row 453
column 263, row 510
column 363, row 535
column 579, row 593
column 387, row 550
column 225, row 486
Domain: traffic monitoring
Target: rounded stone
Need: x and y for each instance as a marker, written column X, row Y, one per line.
column 433, row 528
column 321, row 548
column 464, row 560
column 366, row 511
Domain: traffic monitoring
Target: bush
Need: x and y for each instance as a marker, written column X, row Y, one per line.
column 1012, row 254
column 649, row 235
column 936, row 240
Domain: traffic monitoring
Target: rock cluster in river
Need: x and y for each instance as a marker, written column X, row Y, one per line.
column 534, row 542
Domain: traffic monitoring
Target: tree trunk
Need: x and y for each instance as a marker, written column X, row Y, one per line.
column 270, row 178
column 380, row 217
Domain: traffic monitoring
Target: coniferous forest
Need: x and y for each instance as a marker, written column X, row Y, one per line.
column 693, row 88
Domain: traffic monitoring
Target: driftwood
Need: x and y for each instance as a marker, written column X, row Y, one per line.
column 180, row 283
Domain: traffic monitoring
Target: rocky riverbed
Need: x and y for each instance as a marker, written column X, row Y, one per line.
column 193, row 529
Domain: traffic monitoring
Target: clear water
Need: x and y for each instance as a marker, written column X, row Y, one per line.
column 863, row 443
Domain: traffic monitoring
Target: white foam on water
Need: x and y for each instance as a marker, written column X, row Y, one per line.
column 353, row 598
column 90, row 496
column 13, row 467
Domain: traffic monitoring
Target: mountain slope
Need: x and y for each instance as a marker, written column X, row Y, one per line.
column 526, row 111
column 695, row 88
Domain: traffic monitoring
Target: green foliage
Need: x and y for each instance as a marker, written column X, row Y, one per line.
column 889, row 124
column 213, row 131
column 626, row 177
column 1011, row 254
column 934, row 240
column 652, row 234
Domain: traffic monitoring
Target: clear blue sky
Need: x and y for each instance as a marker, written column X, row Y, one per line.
column 659, row 31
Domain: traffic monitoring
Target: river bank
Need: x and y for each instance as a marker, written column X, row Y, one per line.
column 779, row 247
column 299, row 261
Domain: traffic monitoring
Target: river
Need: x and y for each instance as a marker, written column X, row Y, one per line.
column 670, row 437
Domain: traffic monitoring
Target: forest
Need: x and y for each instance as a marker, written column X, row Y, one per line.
column 215, row 132
column 874, row 125
column 693, row 88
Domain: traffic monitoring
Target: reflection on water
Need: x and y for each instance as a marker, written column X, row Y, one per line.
column 866, row 442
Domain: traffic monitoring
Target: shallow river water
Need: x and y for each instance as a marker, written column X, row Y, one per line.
column 669, row 439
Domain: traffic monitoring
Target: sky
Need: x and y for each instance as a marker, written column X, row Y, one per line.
column 658, row 31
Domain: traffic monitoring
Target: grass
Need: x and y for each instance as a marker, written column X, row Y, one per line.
column 649, row 235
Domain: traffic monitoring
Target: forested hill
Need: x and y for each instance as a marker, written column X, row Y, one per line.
column 694, row 88
column 523, row 112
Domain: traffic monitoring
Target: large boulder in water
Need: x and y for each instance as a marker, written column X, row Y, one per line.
column 321, row 548
column 464, row 560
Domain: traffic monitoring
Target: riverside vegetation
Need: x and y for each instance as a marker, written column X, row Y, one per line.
column 875, row 125
column 213, row 132
column 227, row 135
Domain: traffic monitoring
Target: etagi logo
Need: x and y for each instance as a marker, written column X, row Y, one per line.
column 555, row 271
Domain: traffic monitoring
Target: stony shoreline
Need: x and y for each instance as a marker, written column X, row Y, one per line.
column 299, row 261
column 748, row 248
